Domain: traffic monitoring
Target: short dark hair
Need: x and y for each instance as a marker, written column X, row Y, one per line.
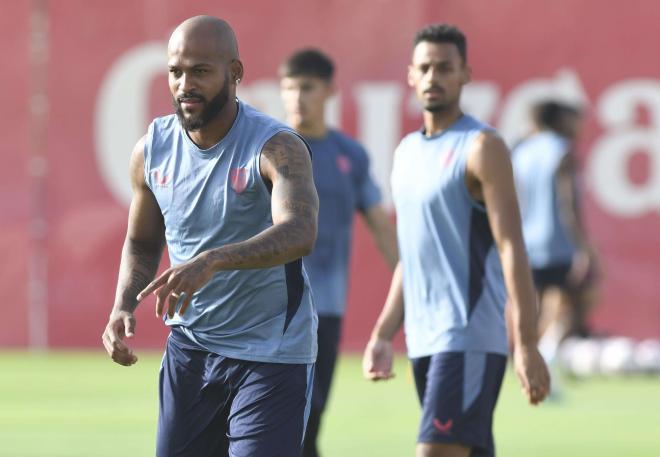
column 550, row 114
column 443, row 33
column 308, row 62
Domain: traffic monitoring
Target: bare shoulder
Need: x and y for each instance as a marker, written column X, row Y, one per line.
column 487, row 152
column 285, row 153
column 137, row 164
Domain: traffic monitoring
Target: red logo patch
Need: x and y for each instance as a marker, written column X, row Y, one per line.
column 160, row 179
column 446, row 158
column 445, row 428
column 238, row 177
column 343, row 164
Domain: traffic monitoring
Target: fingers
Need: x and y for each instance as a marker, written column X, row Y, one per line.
column 172, row 300
column 176, row 298
column 171, row 289
column 535, row 389
column 376, row 370
column 379, row 375
column 536, row 395
column 163, row 296
column 129, row 326
column 153, row 285
column 186, row 301
column 116, row 348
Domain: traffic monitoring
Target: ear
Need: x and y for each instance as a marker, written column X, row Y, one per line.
column 236, row 71
column 330, row 89
column 467, row 71
column 410, row 76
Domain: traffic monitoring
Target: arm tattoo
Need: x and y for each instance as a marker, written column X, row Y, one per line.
column 139, row 264
column 294, row 206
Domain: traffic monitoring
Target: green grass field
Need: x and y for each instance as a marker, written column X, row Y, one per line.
column 82, row 404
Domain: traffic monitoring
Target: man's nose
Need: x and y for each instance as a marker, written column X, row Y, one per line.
column 186, row 83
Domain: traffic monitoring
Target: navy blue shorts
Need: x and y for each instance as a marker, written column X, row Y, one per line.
column 212, row 405
column 458, row 392
column 552, row 276
column 329, row 333
column 557, row 276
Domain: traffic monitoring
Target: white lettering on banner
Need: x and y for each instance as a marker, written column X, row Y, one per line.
column 121, row 117
column 379, row 128
column 607, row 168
column 121, row 112
column 480, row 99
column 514, row 118
column 265, row 96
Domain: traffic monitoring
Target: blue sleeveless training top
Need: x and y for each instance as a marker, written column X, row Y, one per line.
column 536, row 162
column 453, row 286
column 213, row 197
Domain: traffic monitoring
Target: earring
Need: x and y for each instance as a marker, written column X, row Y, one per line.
column 238, row 80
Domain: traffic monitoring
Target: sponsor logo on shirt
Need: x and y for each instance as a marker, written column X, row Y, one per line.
column 445, row 428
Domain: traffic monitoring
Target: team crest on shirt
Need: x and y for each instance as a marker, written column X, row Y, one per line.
column 343, row 164
column 238, row 178
column 446, row 158
column 161, row 179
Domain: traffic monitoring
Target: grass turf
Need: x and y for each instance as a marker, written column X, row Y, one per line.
column 81, row 404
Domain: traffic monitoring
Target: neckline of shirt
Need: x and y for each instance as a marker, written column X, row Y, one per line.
column 215, row 149
column 458, row 120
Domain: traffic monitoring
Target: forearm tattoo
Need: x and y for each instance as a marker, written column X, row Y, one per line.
column 294, row 205
column 139, row 265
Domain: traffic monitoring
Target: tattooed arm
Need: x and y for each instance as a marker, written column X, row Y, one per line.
column 140, row 256
column 286, row 167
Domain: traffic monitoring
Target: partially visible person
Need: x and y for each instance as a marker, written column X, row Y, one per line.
column 563, row 262
column 345, row 187
column 461, row 250
column 230, row 191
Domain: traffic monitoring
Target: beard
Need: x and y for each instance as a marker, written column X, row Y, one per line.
column 440, row 106
column 209, row 112
column 436, row 107
column 447, row 102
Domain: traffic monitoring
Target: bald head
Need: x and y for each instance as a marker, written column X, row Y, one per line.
column 205, row 33
column 204, row 70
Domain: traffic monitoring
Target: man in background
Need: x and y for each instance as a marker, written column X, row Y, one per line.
column 344, row 186
column 562, row 261
column 461, row 250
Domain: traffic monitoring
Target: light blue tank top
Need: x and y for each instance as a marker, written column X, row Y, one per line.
column 213, row 197
column 452, row 277
column 535, row 164
column 341, row 175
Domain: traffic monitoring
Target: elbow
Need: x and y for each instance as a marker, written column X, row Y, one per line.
column 308, row 241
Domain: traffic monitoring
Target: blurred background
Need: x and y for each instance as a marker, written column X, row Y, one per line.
column 82, row 79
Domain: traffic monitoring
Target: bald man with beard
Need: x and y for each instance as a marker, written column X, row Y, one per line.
column 230, row 191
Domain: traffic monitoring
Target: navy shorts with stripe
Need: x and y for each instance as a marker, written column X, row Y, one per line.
column 212, row 405
column 458, row 392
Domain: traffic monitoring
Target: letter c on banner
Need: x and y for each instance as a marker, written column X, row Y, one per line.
column 120, row 117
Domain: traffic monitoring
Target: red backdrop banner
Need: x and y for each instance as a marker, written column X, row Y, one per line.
column 105, row 80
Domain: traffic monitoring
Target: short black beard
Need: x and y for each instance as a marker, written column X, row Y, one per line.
column 210, row 111
column 439, row 108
